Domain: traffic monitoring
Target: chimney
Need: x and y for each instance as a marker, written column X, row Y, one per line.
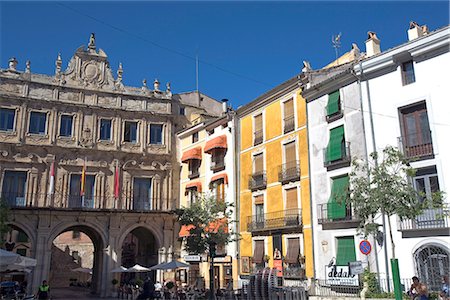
column 224, row 106
column 416, row 31
column 372, row 44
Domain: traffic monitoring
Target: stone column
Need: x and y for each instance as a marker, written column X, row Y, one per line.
column 43, row 256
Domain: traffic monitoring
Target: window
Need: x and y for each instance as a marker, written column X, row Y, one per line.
column 105, row 129
column 142, row 188
column 336, row 145
column 258, row 163
column 193, row 194
column 13, row 189
column 345, row 250
column 194, row 165
column 336, row 206
column 293, row 251
column 156, row 134
column 81, row 194
column 408, row 76
column 22, row 237
column 182, row 111
column 291, row 199
column 426, row 182
column 258, row 130
column 76, row 234
column 258, row 254
column 195, row 137
column 22, row 251
column 217, row 159
column 289, row 116
column 7, row 117
column 218, row 190
column 416, row 131
column 130, row 133
column 333, row 106
column 65, row 128
column 259, row 211
column 38, row 122
column 432, row 263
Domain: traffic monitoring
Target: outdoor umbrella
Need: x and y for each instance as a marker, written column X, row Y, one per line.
column 120, row 269
column 82, row 270
column 174, row 264
column 137, row 269
column 14, row 261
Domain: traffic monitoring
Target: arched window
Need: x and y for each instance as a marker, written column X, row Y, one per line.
column 432, row 262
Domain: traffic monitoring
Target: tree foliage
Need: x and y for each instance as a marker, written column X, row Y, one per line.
column 4, row 228
column 386, row 187
column 204, row 220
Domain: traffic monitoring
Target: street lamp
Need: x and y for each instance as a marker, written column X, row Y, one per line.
column 212, row 254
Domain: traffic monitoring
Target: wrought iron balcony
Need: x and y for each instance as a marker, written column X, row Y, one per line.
column 329, row 221
column 343, row 161
column 289, row 124
column 289, row 172
column 432, row 221
column 294, row 271
column 416, row 145
column 257, row 181
column 283, row 219
column 257, row 137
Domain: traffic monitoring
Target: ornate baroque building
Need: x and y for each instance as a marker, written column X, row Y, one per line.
column 79, row 151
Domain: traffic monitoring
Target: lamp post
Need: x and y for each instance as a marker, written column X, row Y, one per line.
column 212, row 254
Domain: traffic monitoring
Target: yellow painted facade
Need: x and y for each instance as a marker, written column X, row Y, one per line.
column 274, row 191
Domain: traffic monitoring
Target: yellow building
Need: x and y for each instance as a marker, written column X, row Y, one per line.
column 274, row 190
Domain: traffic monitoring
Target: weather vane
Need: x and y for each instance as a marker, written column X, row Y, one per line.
column 336, row 41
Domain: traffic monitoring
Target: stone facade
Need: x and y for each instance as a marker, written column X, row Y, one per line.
column 80, row 150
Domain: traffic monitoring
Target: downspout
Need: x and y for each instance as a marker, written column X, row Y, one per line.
column 367, row 156
column 310, row 192
column 383, row 217
column 237, row 185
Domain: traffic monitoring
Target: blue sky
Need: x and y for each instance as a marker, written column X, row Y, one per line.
column 244, row 48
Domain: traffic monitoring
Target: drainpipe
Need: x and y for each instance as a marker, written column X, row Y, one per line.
column 359, row 79
column 383, row 216
column 237, row 185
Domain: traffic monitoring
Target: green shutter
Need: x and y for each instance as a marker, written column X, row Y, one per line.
column 345, row 250
column 334, row 149
column 333, row 103
column 336, row 207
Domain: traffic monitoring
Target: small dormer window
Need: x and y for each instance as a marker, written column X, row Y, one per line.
column 408, row 75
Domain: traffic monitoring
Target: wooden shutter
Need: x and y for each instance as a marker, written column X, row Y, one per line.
column 293, row 251
column 259, row 163
column 291, row 199
column 258, row 254
column 258, row 123
column 345, row 250
column 289, row 152
column 288, row 108
column 259, row 199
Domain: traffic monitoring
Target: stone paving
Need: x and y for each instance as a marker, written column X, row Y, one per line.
column 74, row 293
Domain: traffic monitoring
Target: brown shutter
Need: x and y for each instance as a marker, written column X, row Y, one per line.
column 293, row 251
column 259, row 163
column 259, row 199
column 288, row 108
column 258, row 254
column 291, row 199
column 289, row 151
column 258, row 123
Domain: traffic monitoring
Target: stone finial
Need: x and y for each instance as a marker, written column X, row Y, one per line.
column 144, row 83
column 91, row 45
column 355, row 50
column 306, row 66
column 156, row 85
column 168, row 87
column 119, row 73
column 28, row 67
column 13, row 64
column 144, row 86
column 58, row 64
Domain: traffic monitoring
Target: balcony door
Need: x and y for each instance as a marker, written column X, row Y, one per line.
column 416, row 131
column 76, row 197
column 142, row 193
column 13, row 190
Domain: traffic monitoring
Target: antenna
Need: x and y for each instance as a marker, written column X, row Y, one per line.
column 336, row 41
column 196, row 70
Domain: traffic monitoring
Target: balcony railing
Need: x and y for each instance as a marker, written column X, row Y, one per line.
column 430, row 219
column 291, row 218
column 289, row 172
column 258, row 137
column 217, row 165
column 344, row 160
column 289, row 124
column 76, row 201
column 294, row 271
column 330, row 220
column 416, row 145
column 257, row 181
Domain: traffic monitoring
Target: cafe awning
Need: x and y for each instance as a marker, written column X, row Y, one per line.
column 219, row 142
column 194, row 153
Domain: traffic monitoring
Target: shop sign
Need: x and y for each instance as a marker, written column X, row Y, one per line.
column 340, row 275
column 224, row 259
column 192, row 258
column 356, row 267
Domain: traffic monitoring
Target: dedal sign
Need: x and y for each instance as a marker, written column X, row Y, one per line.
column 340, row 275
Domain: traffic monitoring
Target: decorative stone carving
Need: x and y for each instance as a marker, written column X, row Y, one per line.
column 58, row 64
column 28, row 67
column 86, row 138
column 12, row 64
column 156, row 85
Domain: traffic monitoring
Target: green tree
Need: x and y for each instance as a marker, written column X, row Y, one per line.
column 4, row 228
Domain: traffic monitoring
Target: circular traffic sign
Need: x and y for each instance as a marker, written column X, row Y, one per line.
column 365, row 247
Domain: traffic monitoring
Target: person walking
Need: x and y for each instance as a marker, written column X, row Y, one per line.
column 418, row 290
column 44, row 291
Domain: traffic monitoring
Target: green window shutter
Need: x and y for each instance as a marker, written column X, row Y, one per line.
column 336, row 207
column 333, row 103
column 334, row 149
column 345, row 250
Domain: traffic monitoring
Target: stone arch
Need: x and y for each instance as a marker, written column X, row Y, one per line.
column 432, row 261
column 156, row 233
column 25, row 227
column 92, row 228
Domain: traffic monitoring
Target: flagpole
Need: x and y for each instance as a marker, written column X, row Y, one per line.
column 51, row 189
column 83, row 181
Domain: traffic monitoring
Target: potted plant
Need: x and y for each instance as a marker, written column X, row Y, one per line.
column 114, row 282
column 266, row 258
